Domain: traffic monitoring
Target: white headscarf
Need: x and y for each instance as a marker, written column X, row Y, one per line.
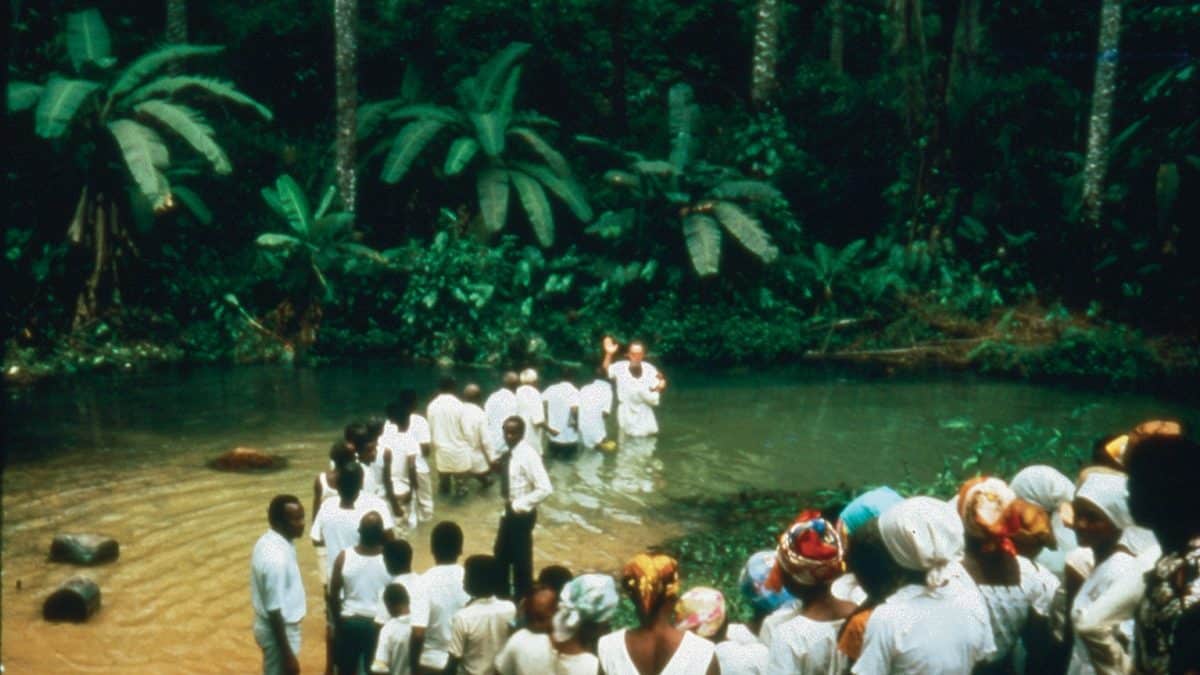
column 1110, row 493
column 587, row 597
column 1043, row 485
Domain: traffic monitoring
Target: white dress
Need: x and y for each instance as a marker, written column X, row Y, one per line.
column 474, row 424
column 1009, row 606
column 1105, row 577
column 533, row 411
column 576, row 664
column 635, row 415
column 803, row 647
column 595, row 401
column 499, row 407
column 917, row 633
column 741, row 653
column 692, row 657
column 560, row 399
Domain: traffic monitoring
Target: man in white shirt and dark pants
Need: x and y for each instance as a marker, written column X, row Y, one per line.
column 524, row 484
column 638, row 384
column 276, row 588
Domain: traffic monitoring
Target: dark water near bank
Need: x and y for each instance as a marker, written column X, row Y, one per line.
column 125, row 456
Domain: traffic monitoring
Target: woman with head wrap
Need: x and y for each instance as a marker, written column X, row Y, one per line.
column 651, row 581
column 585, row 606
column 809, row 557
column 938, row 622
column 997, row 524
column 753, row 584
column 1050, row 489
column 702, row 611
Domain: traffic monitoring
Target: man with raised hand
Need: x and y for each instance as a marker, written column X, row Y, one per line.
column 638, row 385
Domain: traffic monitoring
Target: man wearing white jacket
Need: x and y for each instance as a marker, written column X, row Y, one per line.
column 638, row 385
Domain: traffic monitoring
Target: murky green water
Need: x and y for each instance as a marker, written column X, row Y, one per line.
column 125, row 456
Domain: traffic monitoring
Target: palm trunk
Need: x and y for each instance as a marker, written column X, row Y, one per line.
column 93, row 224
column 1095, row 165
column 837, row 35
column 345, row 25
column 766, row 52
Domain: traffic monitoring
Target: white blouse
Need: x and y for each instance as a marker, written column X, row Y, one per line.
column 692, row 657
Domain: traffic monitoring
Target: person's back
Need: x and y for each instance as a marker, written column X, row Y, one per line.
column 336, row 524
column 501, row 405
column 595, row 402
column 443, row 587
column 450, row 449
column 529, row 651
column 740, row 653
column 531, row 408
column 561, row 398
column 479, row 630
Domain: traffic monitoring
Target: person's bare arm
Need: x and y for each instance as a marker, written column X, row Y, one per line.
column 291, row 665
column 388, row 488
column 451, row 666
column 415, row 644
column 335, row 587
column 316, row 495
column 412, row 474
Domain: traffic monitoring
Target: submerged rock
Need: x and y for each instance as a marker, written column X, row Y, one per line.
column 76, row 600
column 84, row 549
column 248, row 459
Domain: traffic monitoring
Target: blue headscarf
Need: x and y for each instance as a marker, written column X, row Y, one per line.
column 753, row 584
column 868, row 505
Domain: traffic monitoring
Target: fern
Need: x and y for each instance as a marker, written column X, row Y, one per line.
column 495, row 72
column 462, row 151
column 492, row 186
column 747, row 230
column 88, row 40
column 553, row 158
column 703, row 237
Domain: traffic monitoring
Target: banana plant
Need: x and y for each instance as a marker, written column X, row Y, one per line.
column 502, row 147
column 132, row 107
column 706, row 198
column 826, row 264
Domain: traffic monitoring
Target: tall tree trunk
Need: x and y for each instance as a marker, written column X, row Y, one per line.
column 1095, row 165
column 345, row 27
column 766, row 52
column 620, row 60
column 837, row 35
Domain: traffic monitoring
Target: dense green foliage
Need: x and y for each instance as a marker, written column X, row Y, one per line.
column 929, row 182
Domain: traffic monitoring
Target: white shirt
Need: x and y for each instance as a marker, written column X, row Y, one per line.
column 418, row 428
column 451, row 450
column 499, row 407
column 474, row 427
column 804, row 646
column 275, row 582
column 391, row 652
column 582, row 663
column 526, row 653
column 337, row 528
column 531, row 409
column 444, row 589
column 772, row 622
column 742, row 654
column 595, row 401
column 402, row 445
column 363, row 579
column 528, row 482
column 635, row 415
column 1106, row 577
column 692, row 657
column 560, row 399
column 914, row 633
column 418, row 600
column 1009, row 607
column 478, row 632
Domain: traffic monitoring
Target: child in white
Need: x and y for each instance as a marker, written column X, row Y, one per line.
column 391, row 652
column 479, row 630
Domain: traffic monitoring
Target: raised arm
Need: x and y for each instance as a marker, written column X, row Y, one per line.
column 610, row 351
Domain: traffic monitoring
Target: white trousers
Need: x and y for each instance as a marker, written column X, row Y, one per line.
column 272, row 654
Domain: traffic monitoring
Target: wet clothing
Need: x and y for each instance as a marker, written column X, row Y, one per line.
column 635, row 414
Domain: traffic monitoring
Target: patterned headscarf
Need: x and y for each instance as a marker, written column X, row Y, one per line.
column 588, row 598
column 866, row 506
column 702, row 610
column 650, row 578
column 984, row 506
column 753, row 583
column 810, row 552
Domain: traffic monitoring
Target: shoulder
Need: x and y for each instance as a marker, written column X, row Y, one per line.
column 271, row 550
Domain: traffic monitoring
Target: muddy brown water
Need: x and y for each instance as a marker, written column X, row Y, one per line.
column 125, row 456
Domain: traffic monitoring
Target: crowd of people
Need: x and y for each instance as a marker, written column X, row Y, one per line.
column 1037, row 574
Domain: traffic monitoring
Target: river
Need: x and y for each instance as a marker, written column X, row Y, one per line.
column 124, row 455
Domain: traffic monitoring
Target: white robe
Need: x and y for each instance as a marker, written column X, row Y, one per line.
column 560, row 399
column 474, row 424
column 595, row 401
column 533, row 411
column 635, row 416
column 499, row 407
column 451, row 450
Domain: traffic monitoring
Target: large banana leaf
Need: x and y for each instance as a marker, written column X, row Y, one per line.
column 277, row 240
column 553, row 158
column 492, row 186
column 22, row 95
column 409, row 143
column 504, row 105
column 192, row 202
column 144, row 154
column 427, row 111
column 462, row 151
column 566, row 189
column 750, row 190
column 494, row 73
column 489, row 130
column 150, row 63
column 295, row 205
column 682, row 112
column 703, row 236
column 537, row 207
column 370, row 115
column 326, row 202
column 172, row 85
column 747, row 230
column 88, row 40
column 59, row 103
column 191, row 127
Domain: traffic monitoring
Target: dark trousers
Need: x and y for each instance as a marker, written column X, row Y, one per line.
column 514, row 549
column 563, row 450
column 354, row 645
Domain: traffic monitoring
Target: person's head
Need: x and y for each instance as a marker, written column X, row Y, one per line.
column 360, row 437
column 395, row 598
column 636, row 352
column 350, row 481
column 702, row 611
column 375, row 426
column 510, row 380
column 447, row 384
column 871, row 563
column 753, row 584
column 342, row 453
column 554, row 576
column 529, row 376
column 1109, row 450
column 1043, row 485
column 472, row 393
column 867, row 506
column 370, row 529
column 446, row 542
column 397, row 556
column 514, row 431
column 810, row 555
column 398, row 412
column 924, row 536
column 983, row 504
column 1100, row 512
column 651, row 580
column 585, row 606
column 285, row 515
column 481, row 576
column 1162, row 487
column 540, row 606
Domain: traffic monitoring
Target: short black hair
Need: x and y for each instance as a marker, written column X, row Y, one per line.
column 374, row 426
column 555, row 577
column 397, row 556
column 342, row 453
column 350, row 479
column 517, row 420
column 370, row 529
column 398, row 412
column 395, row 594
column 358, row 434
column 447, row 384
column 481, row 576
column 277, row 510
column 446, row 540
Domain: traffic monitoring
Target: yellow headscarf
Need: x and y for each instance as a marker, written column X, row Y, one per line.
column 651, row 578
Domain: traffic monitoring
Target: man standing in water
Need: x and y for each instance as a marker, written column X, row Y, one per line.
column 638, row 384
column 276, row 588
column 500, row 406
column 450, row 449
column 475, row 430
column 524, row 484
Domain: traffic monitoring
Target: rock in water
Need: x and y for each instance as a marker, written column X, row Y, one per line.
column 84, row 549
column 75, row 601
column 247, row 459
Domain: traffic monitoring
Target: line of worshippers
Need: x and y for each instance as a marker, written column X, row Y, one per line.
column 1040, row 574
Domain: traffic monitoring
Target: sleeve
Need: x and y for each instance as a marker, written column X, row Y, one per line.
column 380, row 665
column 539, row 411
column 612, row 370
column 648, row 397
column 1094, row 624
column 532, row 464
column 458, row 638
column 876, row 654
column 314, row 532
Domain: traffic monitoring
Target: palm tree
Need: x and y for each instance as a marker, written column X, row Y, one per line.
column 1095, row 164
column 766, row 51
column 109, row 122
column 345, row 29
